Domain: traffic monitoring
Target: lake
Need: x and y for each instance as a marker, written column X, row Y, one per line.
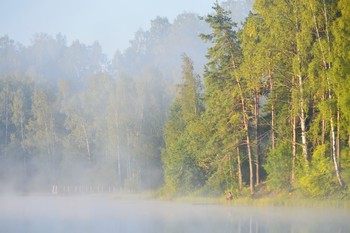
column 39, row 214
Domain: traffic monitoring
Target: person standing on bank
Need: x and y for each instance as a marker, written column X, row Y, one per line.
column 229, row 196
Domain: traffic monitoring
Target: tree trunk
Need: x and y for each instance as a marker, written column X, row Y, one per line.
column 118, row 150
column 273, row 143
column 6, row 117
column 330, row 96
column 119, row 161
column 22, row 129
column 239, row 165
column 338, row 136
column 323, row 133
column 251, row 174
column 294, row 149
column 334, row 156
column 246, row 128
column 257, row 145
column 302, row 116
column 87, row 142
column 303, row 121
column 129, row 145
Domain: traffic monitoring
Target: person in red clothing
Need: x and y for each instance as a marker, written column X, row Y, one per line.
column 229, row 196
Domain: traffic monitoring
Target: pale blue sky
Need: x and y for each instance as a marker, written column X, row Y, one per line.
column 111, row 22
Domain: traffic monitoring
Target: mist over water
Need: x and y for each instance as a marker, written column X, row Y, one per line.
column 36, row 214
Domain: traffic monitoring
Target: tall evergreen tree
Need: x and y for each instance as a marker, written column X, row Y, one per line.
column 223, row 79
column 182, row 171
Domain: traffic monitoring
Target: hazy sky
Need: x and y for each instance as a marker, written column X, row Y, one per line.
column 111, row 22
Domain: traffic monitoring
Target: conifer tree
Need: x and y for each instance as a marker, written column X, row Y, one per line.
column 182, row 170
column 223, row 79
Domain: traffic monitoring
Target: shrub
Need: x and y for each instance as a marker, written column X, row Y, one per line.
column 318, row 180
column 278, row 167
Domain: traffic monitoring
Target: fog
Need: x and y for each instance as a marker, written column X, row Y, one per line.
column 104, row 214
column 71, row 116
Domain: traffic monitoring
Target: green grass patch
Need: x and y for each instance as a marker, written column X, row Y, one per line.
column 276, row 201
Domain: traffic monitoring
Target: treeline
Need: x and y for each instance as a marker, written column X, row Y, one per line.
column 109, row 133
column 70, row 116
column 275, row 105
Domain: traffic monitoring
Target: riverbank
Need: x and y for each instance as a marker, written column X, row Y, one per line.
column 263, row 198
column 278, row 201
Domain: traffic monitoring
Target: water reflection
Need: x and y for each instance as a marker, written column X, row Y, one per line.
column 101, row 214
column 293, row 220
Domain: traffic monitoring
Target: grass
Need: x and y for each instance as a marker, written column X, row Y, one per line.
column 262, row 198
column 266, row 202
column 303, row 203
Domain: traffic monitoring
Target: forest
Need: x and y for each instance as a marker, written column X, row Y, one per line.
column 255, row 94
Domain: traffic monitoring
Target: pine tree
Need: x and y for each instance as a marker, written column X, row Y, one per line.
column 223, row 79
column 182, row 171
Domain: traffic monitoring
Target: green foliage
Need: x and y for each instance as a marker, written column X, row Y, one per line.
column 182, row 171
column 318, row 180
column 279, row 167
column 345, row 166
column 223, row 179
column 108, row 133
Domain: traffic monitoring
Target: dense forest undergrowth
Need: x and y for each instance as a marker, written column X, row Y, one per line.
column 267, row 117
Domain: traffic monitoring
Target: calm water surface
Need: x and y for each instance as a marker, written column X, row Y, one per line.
column 103, row 214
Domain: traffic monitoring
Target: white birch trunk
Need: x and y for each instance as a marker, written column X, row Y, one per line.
column 87, row 142
column 303, row 120
column 333, row 135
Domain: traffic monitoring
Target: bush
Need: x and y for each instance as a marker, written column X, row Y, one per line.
column 318, row 180
column 278, row 167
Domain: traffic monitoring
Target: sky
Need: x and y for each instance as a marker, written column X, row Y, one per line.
column 112, row 23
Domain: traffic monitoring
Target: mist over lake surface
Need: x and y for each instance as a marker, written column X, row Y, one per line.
column 36, row 214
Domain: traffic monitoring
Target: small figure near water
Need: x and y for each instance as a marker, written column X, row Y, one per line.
column 229, row 196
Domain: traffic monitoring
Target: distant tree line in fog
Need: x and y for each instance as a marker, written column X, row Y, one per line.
column 70, row 116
